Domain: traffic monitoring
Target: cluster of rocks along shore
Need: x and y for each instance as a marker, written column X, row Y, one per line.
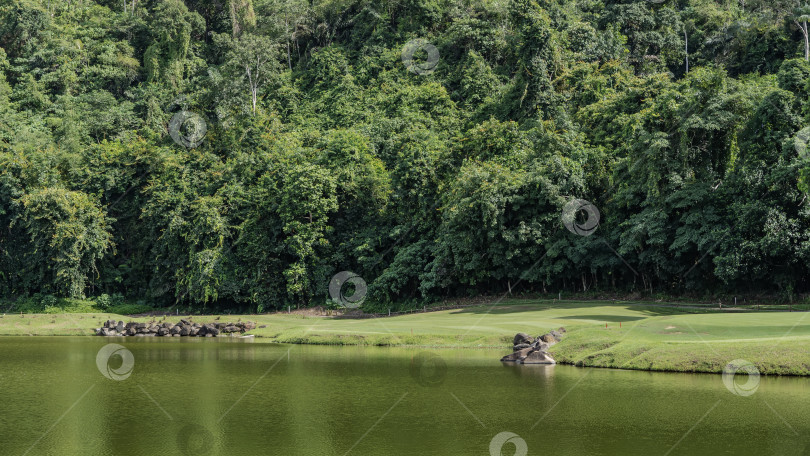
column 533, row 351
column 182, row 328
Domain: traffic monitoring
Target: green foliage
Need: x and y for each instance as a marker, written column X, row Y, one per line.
column 324, row 153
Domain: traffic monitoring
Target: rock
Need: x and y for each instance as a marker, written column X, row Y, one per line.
column 176, row 335
column 538, row 357
column 522, row 346
column 522, row 338
column 549, row 339
column 561, row 330
column 183, row 328
column 263, row 326
column 517, row 356
column 556, row 335
column 139, row 335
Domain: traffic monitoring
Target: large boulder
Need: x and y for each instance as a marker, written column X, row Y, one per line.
column 549, row 339
column 522, row 338
column 519, row 347
column 538, row 357
column 517, row 356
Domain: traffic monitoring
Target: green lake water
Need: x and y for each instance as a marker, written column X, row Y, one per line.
column 223, row 397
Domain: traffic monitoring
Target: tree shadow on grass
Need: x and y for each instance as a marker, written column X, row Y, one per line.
column 615, row 318
column 511, row 307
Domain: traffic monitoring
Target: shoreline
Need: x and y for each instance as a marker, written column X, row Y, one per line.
column 555, row 351
column 600, row 334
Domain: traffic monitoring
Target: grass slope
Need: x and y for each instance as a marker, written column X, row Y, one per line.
column 651, row 337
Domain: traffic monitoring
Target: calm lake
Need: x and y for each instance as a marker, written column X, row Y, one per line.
column 215, row 396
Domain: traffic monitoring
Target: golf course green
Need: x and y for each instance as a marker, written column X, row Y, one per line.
column 641, row 336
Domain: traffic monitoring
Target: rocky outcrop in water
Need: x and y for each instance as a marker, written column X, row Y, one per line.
column 183, row 328
column 528, row 350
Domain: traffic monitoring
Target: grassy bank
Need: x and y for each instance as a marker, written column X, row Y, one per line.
column 637, row 336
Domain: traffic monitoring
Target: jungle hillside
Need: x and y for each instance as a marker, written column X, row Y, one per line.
column 238, row 154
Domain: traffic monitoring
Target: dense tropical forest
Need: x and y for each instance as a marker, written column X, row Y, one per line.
column 239, row 153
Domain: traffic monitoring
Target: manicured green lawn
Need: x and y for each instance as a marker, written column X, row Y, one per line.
column 650, row 337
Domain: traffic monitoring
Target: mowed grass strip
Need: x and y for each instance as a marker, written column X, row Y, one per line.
column 600, row 334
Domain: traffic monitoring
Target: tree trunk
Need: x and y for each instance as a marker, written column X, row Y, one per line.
column 686, row 48
column 803, row 27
